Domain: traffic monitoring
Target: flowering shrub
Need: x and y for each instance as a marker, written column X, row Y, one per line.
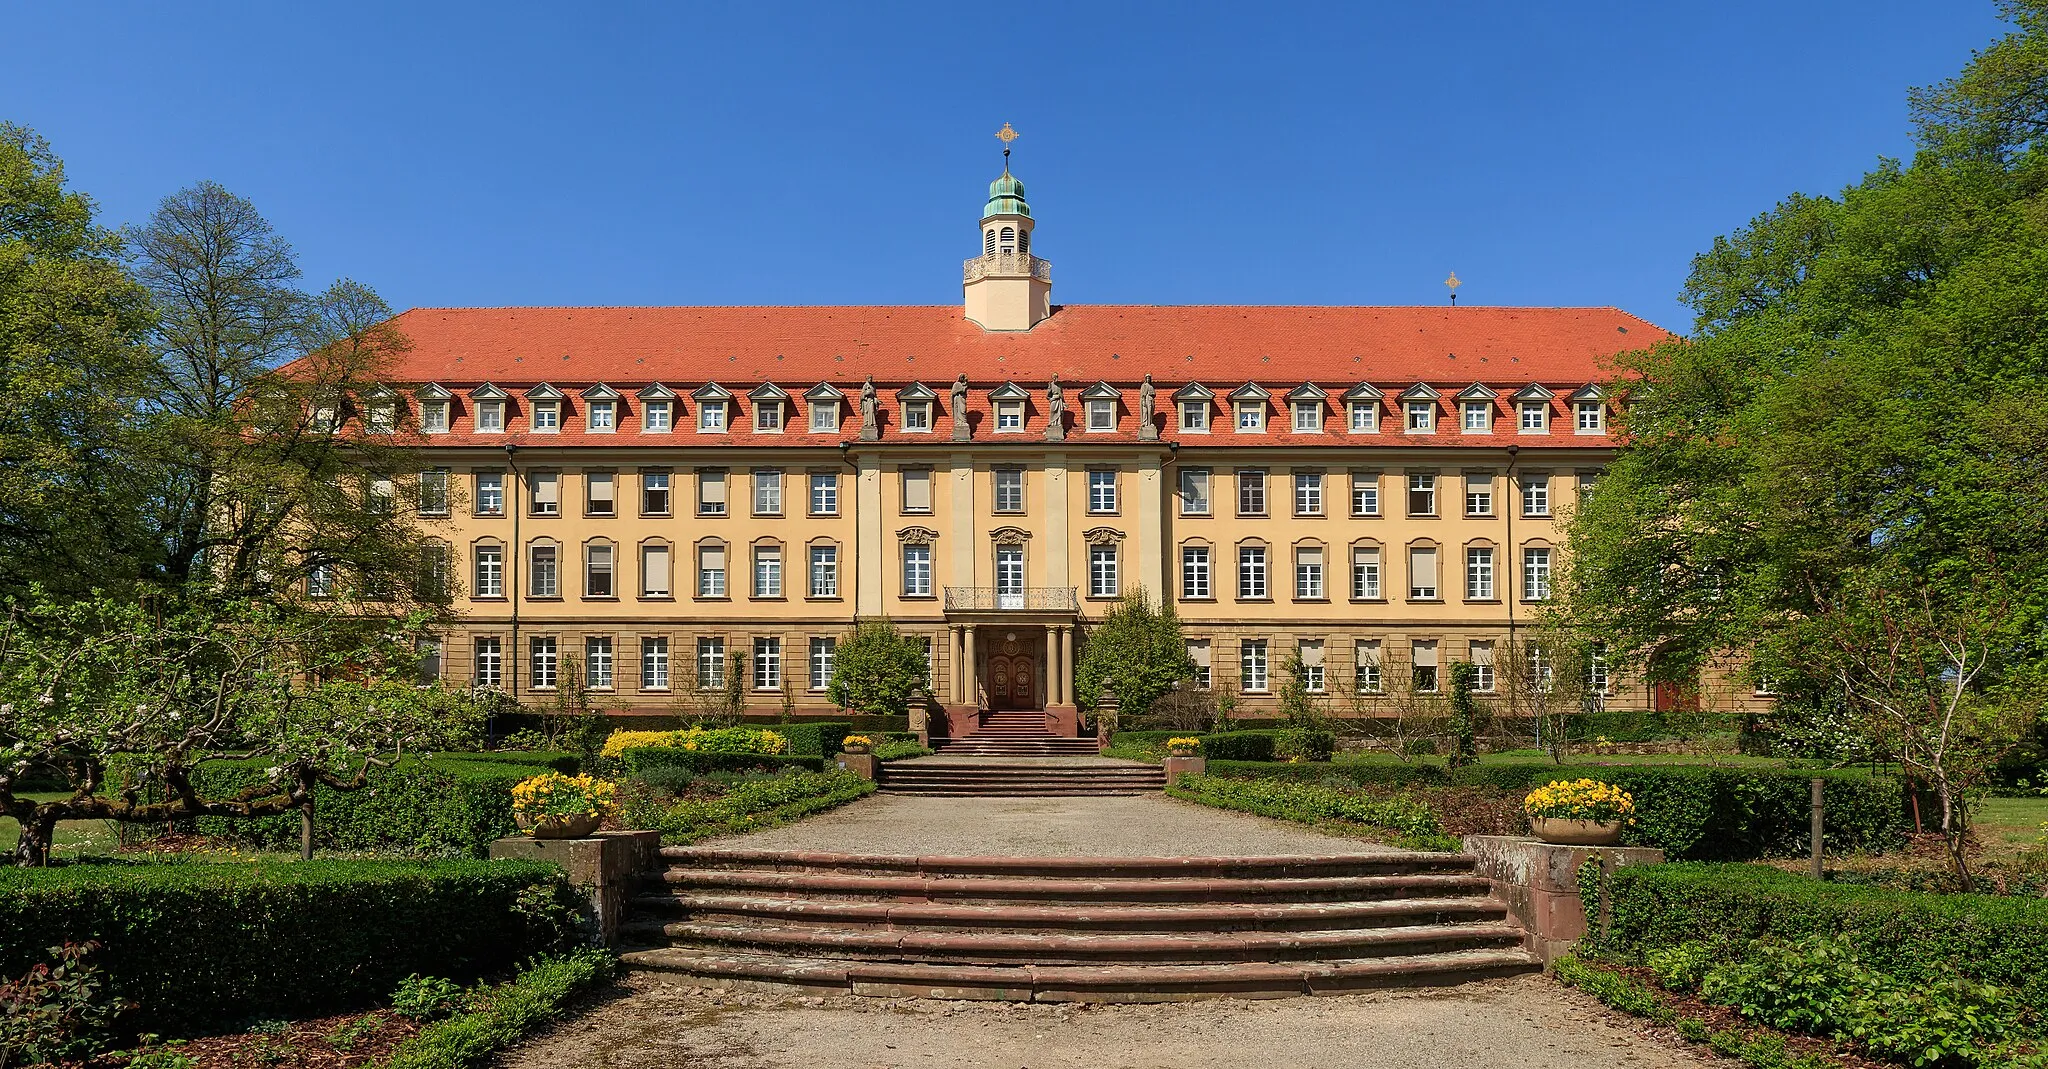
column 1585, row 799
column 705, row 740
column 552, row 794
column 1184, row 745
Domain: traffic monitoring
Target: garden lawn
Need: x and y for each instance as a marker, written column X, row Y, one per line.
column 2008, row 825
column 75, row 838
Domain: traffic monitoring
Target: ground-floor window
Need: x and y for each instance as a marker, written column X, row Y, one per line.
column 490, row 663
column 710, row 663
column 1252, row 665
column 542, row 662
column 653, row 664
column 823, row 650
column 767, row 664
column 597, row 662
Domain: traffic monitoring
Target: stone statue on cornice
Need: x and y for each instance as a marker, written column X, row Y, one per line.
column 870, row 429
column 1148, row 431
column 961, row 431
column 1055, row 411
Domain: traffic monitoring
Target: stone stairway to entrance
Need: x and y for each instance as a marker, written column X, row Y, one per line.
column 1016, row 734
column 1012, row 755
column 1054, row 929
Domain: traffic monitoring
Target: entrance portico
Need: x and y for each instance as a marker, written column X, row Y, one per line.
column 1012, row 648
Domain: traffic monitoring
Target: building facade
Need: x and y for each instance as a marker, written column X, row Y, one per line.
column 645, row 493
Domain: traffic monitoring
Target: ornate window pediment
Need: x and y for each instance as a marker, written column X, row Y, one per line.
column 1009, row 391
column 1251, row 391
column 1364, row 391
column 1478, row 391
column 488, row 392
column 1101, row 391
column 1307, row 391
column 1102, row 536
column 598, row 391
column 824, row 391
column 1009, row 536
column 655, row 391
column 916, row 391
column 917, row 536
column 1421, row 391
column 545, row 392
column 1535, row 391
column 1194, row 391
column 434, row 391
column 1591, row 391
column 711, row 391
column 768, row 391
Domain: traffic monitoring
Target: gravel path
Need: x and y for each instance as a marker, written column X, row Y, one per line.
column 1146, row 825
column 1529, row 1022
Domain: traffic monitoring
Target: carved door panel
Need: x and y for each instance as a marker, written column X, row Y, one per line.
column 1023, row 682
column 999, row 682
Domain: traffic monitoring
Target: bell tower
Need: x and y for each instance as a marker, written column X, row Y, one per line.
column 1006, row 287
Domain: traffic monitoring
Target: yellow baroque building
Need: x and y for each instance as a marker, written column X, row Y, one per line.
column 646, row 492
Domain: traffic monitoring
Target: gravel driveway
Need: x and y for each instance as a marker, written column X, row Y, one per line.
column 1528, row 1022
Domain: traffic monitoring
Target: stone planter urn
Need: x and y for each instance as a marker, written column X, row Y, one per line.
column 1565, row 832
column 576, row 826
column 856, row 748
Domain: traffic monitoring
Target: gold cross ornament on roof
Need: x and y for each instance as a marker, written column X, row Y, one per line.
column 1453, row 282
column 1007, row 135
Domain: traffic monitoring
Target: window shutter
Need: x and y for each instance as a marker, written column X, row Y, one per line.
column 1312, row 654
column 917, row 491
column 547, row 489
column 654, row 570
column 1368, row 653
column 714, row 558
column 600, row 491
column 1421, row 568
column 1312, row 555
column 1199, row 651
column 711, row 487
column 1425, row 655
column 1482, row 654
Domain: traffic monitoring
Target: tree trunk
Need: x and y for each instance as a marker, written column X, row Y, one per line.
column 306, row 831
column 37, row 834
column 1953, row 831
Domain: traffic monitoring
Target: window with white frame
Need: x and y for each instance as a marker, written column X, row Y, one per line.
column 1199, row 652
column 1535, row 495
column 1308, row 417
column 434, row 417
column 1251, row 416
column 917, row 490
column 1422, row 666
column 434, row 492
column 917, row 417
column 1421, row 417
column 1482, row 667
column 1310, row 653
column 711, row 492
column 1365, row 417
column 543, row 570
column 1365, row 493
column 1421, row 494
column 767, row 491
column 1478, row 493
column 1476, row 417
column 603, row 416
column 1251, row 492
column 1102, row 571
column 1592, row 417
column 824, row 417
column 1365, row 573
column 1251, row 666
column 439, row 574
column 824, row 571
column 917, row 570
column 1308, row 493
column 1533, row 417
column 599, row 496
column 383, row 416
column 710, row 417
column 541, row 662
column 1539, row 671
column 710, row 663
column 767, row 664
column 767, row 571
column 380, row 497
column 654, row 487
column 1251, row 573
column 598, row 568
column 428, row 649
column 1101, row 491
column 490, row 417
column 597, row 662
column 1194, row 572
column 1422, row 573
column 1536, row 574
column 1101, row 415
column 1366, row 668
column 1194, row 491
column 1308, row 574
column 489, row 581
column 711, row 571
column 768, row 416
column 823, row 652
column 1597, row 679
column 1009, row 484
column 1479, row 573
column 1194, row 417
column 490, row 493
column 824, row 493
column 1009, row 416
column 657, row 417
column 656, row 570
column 320, row 580
column 490, row 662
column 544, row 494
column 654, row 664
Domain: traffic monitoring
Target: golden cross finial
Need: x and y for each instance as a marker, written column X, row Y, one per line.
column 1007, row 135
column 1453, row 283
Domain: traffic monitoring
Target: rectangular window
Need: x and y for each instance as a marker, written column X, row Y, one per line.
column 490, row 417
column 1308, row 493
column 1596, row 671
column 711, row 417
column 768, row 416
column 1009, row 489
column 1365, row 493
column 1476, row 417
column 1251, row 416
column 917, row 417
column 1102, row 580
column 547, row 417
column 545, row 498
column 603, row 416
column 1539, row 673
column 320, row 580
column 1194, row 491
column 824, row 571
column 1009, row 416
column 1421, row 417
column 824, row 417
column 1533, row 417
column 380, row 497
column 1422, row 573
column 1194, row 417
column 1535, row 495
column 490, row 572
column 711, row 571
column 917, row 490
column 1478, row 493
column 654, row 664
column 1308, row 574
column 1365, row 573
column 767, row 664
column 1365, row 417
column 1482, row 667
column 711, row 491
column 597, row 571
column 1310, row 653
column 599, row 499
column 1101, row 415
column 1592, row 417
column 1198, row 652
column 1251, row 492
column 1251, row 666
column 823, row 652
column 434, row 417
column 383, row 417
column 654, row 493
column 1308, row 417
column 1536, row 574
column 1479, row 573
column 490, row 662
column 710, row 663
column 1421, row 495
column 1251, row 572
column 439, row 574
column 1010, row 575
column 654, row 572
column 540, row 663
column 824, row 493
column 597, row 662
column 543, row 571
column 767, row 571
column 490, row 493
column 657, row 417
column 434, row 492
column 917, row 571
column 1366, row 673
column 1101, row 491
column 1194, row 571
column 428, row 650
column 1423, row 666
column 767, row 491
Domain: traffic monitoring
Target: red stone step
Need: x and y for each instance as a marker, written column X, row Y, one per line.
column 1380, row 864
column 1026, row 889
column 1455, row 901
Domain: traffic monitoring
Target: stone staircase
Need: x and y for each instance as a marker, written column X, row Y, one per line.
column 1016, row 734
column 1062, row 929
column 1018, row 777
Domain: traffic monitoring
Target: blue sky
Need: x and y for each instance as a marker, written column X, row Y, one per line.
column 1175, row 153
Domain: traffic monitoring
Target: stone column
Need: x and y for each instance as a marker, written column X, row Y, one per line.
column 953, row 641
column 867, row 528
column 970, row 672
column 1066, row 666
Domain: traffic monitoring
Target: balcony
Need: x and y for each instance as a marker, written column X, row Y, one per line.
column 1006, row 265
column 1011, row 599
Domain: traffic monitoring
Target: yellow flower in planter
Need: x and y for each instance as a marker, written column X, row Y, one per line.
column 552, row 794
column 1585, row 799
column 1184, row 746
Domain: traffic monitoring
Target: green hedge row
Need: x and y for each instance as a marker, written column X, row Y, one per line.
column 645, row 760
column 1410, row 822
column 502, row 1015
column 1693, row 812
column 750, row 805
column 449, row 805
column 1253, row 744
column 200, row 946
column 817, row 738
column 1913, row 936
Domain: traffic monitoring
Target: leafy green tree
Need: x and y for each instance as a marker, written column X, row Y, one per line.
column 1464, row 715
column 1137, row 653
column 878, row 670
column 1299, row 706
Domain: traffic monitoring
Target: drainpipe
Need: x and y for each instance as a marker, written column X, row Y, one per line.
column 512, row 573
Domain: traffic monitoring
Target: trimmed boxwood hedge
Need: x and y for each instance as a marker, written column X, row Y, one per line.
column 817, row 738
column 641, row 760
column 1693, row 812
column 1911, row 935
column 200, row 946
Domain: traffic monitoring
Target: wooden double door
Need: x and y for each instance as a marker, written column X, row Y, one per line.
column 1013, row 682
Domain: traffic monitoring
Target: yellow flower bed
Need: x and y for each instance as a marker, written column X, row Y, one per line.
column 709, row 740
column 552, row 794
column 1585, row 799
column 621, row 741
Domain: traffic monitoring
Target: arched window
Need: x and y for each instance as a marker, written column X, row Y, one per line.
column 1009, row 239
column 543, row 569
column 655, row 566
column 988, row 242
column 600, row 562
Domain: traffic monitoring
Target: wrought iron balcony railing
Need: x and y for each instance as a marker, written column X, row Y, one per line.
column 1011, row 599
column 1006, row 264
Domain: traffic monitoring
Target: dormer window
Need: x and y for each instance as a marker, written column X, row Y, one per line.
column 603, row 416
column 326, row 418
column 1308, row 417
column 1365, row 417
column 547, row 416
column 1101, row 415
column 383, row 415
column 768, row 417
column 1534, row 417
column 1421, row 417
column 657, row 417
column 490, row 417
column 434, row 417
column 1475, row 417
column 917, row 417
column 1194, row 417
column 711, row 417
column 824, row 417
column 1009, row 416
column 1251, row 417
column 1592, row 417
